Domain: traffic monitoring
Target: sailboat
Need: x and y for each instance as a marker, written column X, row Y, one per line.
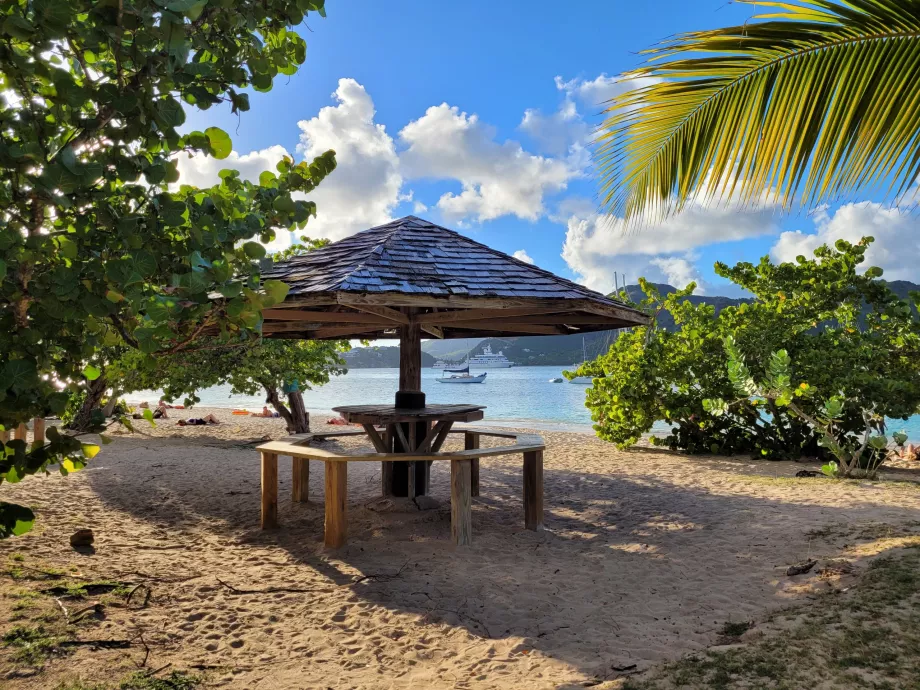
column 584, row 355
column 461, row 376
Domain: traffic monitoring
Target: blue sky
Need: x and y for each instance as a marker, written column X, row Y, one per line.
column 477, row 115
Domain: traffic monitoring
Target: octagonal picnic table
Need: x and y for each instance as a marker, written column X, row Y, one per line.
column 409, row 430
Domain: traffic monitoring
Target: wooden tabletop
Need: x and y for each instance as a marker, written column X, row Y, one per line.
column 389, row 414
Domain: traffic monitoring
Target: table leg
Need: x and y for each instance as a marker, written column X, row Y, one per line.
column 269, row 490
column 336, row 528
column 21, row 432
column 38, row 432
column 386, row 468
column 533, row 490
column 471, row 442
column 461, row 514
column 300, row 485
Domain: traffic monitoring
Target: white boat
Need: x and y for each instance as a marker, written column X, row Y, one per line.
column 556, row 380
column 462, row 378
column 490, row 360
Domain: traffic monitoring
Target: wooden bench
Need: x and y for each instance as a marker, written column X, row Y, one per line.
column 462, row 478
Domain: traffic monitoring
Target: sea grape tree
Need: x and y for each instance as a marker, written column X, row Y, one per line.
column 849, row 335
column 97, row 231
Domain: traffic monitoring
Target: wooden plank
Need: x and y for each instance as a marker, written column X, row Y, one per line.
column 435, row 331
column 442, row 436
column 461, row 512
column 323, row 316
column 375, row 438
column 449, row 317
column 533, row 490
column 401, row 437
column 335, row 434
column 412, row 446
column 426, row 444
column 511, row 327
column 269, row 490
column 471, row 442
column 344, row 331
column 21, row 432
column 300, row 485
column 391, row 315
column 386, row 468
column 336, row 527
column 38, row 432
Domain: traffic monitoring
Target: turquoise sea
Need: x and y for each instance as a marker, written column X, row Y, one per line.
column 519, row 396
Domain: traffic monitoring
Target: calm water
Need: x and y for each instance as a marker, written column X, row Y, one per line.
column 520, row 395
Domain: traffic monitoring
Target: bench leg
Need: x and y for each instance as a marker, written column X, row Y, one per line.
column 38, row 432
column 269, row 490
column 461, row 515
column 471, row 442
column 21, row 432
column 336, row 496
column 533, row 490
column 300, row 486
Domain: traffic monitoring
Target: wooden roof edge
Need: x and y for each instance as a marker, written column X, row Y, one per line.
column 355, row 300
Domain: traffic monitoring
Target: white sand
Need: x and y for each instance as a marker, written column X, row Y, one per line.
column 645, row 556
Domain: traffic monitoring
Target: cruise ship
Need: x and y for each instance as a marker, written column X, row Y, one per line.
column 490, row 360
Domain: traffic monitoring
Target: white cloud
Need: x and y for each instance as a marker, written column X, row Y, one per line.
column 597, row 245
column 522, row 255
column 365, row 186
column 557, row 133
column 419, row 207
column 897, row 237
column 497, row 179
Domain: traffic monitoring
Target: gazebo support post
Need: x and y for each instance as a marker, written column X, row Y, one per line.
column 409, row 395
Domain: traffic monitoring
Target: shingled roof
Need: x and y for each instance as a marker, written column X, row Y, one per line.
column 414, row 263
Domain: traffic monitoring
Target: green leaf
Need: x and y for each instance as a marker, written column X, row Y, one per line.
column 15, row 520
column 254, row 250
column 91, row 373
column 170, row 112
column 276, row 290
column 17, row 374
column 17, row 27
column 90, row 450
column 221, row 145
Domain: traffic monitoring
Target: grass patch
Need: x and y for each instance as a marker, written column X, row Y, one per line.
column 176, row 680
column 731, row 629
column 31, row 644
column 868, row 637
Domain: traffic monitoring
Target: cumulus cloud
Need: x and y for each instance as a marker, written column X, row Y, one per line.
column 522, row 255
column 897, row 237
column 365, row 186
column 597, row 245
column 497, row 179
column 558, row 132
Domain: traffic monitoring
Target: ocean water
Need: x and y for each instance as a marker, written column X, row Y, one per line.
column 519, row 396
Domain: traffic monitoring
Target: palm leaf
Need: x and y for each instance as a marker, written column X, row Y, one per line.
column 813, row 102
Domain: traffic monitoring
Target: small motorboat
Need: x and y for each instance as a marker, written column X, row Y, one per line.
column 555, row 380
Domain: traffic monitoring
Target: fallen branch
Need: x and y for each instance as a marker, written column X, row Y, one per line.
column 147, row 593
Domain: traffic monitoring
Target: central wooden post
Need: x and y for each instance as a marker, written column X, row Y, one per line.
column 410, row 395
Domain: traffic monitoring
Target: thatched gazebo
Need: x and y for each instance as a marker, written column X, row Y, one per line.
column 410, row 279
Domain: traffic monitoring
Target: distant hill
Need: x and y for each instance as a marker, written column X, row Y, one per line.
column 551, row 350
column 379, row 357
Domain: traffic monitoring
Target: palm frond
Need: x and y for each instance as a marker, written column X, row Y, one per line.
column 811, row 102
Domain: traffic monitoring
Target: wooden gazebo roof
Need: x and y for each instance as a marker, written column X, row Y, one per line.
column 411, row 271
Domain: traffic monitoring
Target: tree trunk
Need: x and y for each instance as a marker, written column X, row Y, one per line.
column 94, row 392
column 299, row 413
column 282, row 409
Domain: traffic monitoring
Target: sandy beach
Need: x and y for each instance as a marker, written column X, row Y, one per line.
column 645, row 556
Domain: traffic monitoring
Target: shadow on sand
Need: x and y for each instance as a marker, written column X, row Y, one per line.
column 628, row 570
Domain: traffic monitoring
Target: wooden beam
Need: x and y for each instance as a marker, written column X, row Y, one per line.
column 410, row 357
column 533, row 490
column 288, row 326
column 435, row 331
column 38, row 432
column 269, row 490
column 507, row 327
column 471, row 442
column 392, row 315
column 461, row 513
column 375, row 438
column 322, row 316
column 560, row 319
column 448, row 317
column 300, row 486
column 336, row 526
column 345, row 331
